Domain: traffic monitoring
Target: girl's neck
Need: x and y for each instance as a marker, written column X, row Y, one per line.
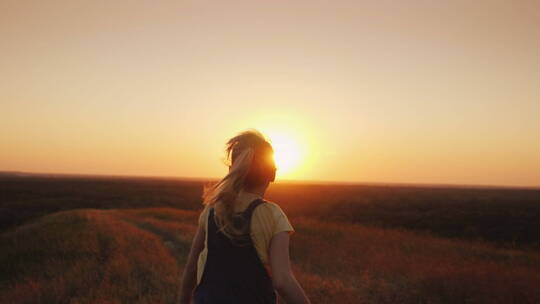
column 257, row 190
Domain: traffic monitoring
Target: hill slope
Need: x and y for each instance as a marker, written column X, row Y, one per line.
column 137, row 255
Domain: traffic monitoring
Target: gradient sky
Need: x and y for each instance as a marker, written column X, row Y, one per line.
column 372, row 91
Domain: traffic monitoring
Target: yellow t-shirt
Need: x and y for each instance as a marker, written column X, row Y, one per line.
column 267, row 220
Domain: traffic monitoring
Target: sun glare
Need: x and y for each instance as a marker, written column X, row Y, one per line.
column 292, row 140
column 287, row 153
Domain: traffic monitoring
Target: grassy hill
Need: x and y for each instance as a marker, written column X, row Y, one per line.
column 507, row 217
column 94, row 256
column 136, row 256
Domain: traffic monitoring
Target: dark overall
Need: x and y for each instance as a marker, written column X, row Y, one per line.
column 233, row 272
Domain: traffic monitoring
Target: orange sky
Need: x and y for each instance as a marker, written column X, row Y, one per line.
column 374, row 91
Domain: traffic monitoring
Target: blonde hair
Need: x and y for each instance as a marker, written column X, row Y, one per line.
column 245, row 153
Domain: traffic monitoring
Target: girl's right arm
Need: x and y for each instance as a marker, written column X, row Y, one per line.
column 283, row 278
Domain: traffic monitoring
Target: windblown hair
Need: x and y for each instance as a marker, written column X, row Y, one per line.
column 247, row 155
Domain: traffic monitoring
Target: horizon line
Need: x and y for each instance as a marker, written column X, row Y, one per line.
column 284, row 180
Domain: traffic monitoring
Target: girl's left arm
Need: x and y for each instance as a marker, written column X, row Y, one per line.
column 189, row 278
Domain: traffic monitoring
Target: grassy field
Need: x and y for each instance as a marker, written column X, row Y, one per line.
column 88, row 240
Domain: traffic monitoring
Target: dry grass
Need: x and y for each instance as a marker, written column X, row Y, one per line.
column 137, row 255
column 392, row 266
column 506, row 217
column 90, row 256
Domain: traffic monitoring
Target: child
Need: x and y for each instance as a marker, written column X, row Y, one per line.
column 240, row 253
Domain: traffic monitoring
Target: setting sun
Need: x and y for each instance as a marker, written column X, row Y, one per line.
column 287, row 153
column 291, row 135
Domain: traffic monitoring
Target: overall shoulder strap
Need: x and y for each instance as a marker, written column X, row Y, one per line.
column 243, row 219
column 249, row 210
